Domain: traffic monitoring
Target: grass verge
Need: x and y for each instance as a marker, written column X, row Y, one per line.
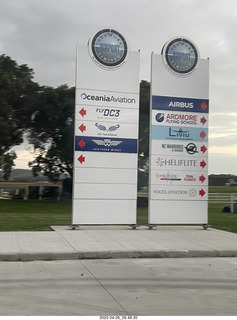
column 20, row 215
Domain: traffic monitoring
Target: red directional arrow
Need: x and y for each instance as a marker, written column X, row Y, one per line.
column 82, row 112
column 203, row 120
column 81, row 159
column 202, row 134
column 203, row 164
column 202, row 178
column 202, row 192
column 81, row 143
column 203, row 149
column 204, row 106
column 82, row 128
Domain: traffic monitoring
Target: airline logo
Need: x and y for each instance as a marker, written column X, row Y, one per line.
column 180, row 104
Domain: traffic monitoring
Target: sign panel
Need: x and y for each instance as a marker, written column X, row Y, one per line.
column 101, row 144
column 164, row 192
column 176, row 118
column 106, row 131
column 173, row 177
column 179, row 133
column 180, row 104
column 178, row 173
column 180, row 148
column 104, row 98
column 104, row 113
column 178, row 163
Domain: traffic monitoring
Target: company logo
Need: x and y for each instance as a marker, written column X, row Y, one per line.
column 170, row 192
column 192, row 192
column 181, row 119
column 160, row 162
column 108, row 112
column 173, row 147
column 169, row 177
column 180, row 56
column 179, row 104
column 107, row 130
column 106, row 142
column 191, row 148
column 178, row 133
column 160, row 117
column 108, row 49
column 105, row 98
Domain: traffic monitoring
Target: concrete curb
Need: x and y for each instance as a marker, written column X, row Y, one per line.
column 117, row 255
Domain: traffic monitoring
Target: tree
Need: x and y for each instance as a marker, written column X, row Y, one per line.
column 53, row 126
column 52, row 132
column 18, row 98
column 46, row 114
column 6, row 163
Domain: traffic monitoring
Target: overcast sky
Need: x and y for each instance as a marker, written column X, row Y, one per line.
column 43, row 34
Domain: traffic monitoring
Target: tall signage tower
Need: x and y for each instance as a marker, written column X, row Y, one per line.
column 178, row 186
column 106, row 131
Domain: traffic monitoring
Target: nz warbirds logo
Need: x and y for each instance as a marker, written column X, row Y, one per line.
column 106, row 142
column 110, row 129
column 191, row 148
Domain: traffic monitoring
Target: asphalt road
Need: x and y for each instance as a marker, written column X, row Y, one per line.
column 174, row 286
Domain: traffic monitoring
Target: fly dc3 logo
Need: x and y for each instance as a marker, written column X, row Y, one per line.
column 105, row 98
column 110, row 113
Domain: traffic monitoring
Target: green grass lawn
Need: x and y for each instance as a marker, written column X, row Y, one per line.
column 20, row 215
column 30, row 215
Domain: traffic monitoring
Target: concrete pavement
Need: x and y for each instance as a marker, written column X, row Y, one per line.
column 120, row 287
column 105, row 242
column 88, row 273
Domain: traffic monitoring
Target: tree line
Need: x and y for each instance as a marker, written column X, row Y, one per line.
column 45, row 117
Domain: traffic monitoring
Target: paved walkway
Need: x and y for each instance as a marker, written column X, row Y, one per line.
column 106, row 242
